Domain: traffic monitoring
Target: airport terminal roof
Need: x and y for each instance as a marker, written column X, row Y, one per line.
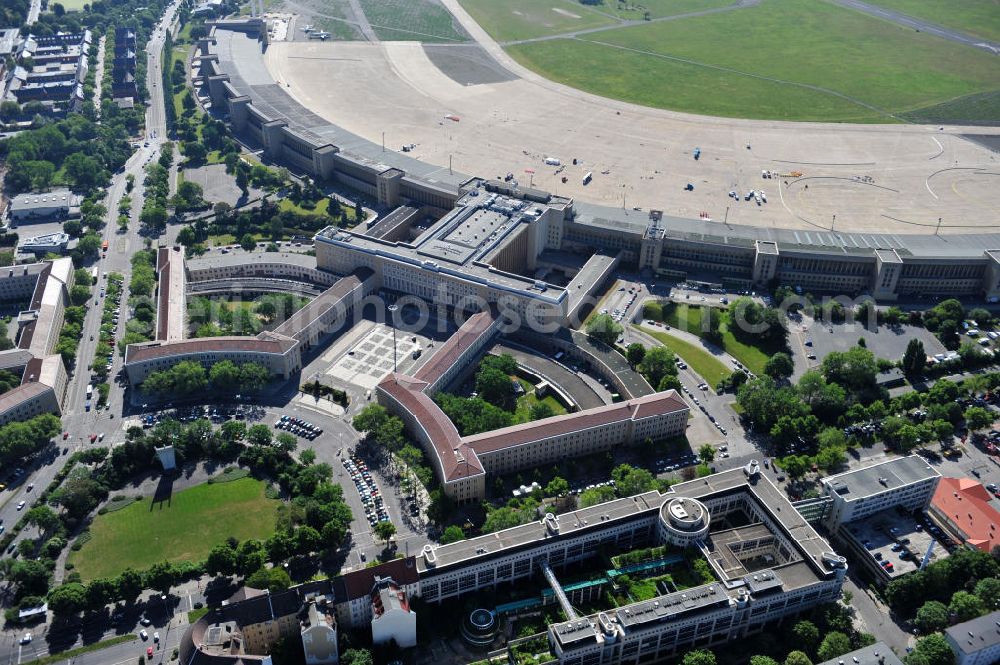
column 239, row 56
column 882, row 477
column 472, row 272
column 812, row 240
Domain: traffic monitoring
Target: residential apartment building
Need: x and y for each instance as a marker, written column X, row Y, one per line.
column 45, row 287
column 319, row 636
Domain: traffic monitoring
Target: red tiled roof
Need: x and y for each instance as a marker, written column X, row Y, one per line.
column 449, row 352
column 456, row 460
column 263, row 343
column 641, row 407
column 359, row 583
column 965, row 503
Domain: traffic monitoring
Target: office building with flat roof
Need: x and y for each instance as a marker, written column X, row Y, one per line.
column 976, row 642
column 907, row 482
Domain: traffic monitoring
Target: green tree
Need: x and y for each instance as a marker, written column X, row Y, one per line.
column 272, row 579
column 356, row 657
column 914, row 358
column 540, row 410
column 806, row 636
column 634, row 353
column 932, row 616
column 834, row 644
column 763, row 660
column 247, row 242
column 221, row 560
column 452, row 534
column 699, row 657
column 384, row 531
column 965, row 606
column 988, row 591
column 604, row 328
column 594, row 496
column 779, row 366
column 259, row 435
column 854, row 369
column 658, row 362
column 31, row 577
column 67, row 598
column 557, row 487
column 495, row 387
column 977, row 418
column 931, row 650
column 161, row 576
column 630, row 480
column 797, row 658
column 225, row 376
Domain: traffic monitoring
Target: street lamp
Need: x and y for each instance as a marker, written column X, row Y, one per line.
column 392, row 324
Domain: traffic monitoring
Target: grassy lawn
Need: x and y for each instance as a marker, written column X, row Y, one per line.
column 412, row 20
column 522, row 412
column 182, row 528
column 71, row 5
column 703, row 363
column 510, row 20
column 856, row 59
column 180, row 53
column 688, row 317
column 976, row 17
column 636, row 10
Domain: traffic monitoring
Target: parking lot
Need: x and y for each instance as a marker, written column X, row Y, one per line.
column 621, row 298
column 897, row 542
column 811, row 341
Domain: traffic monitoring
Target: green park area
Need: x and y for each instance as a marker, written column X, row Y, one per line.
column 788, row 59
column 702, row 362
column 753, row 354
column 411, row 20
column 526, row 19
column 185, row 526
column 527, row 401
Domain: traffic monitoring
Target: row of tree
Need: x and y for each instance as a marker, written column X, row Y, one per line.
column 187, row 378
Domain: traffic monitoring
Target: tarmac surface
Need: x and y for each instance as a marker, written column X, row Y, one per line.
column 872, row 178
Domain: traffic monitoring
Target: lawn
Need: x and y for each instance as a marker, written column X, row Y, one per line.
column 687, row 317
column 522, row 412
column 510, row 20
column 700, row 361
column 636, row 10
column 412, row 20
column 792, row 60
column 980, row 18
column 71, row 5
column 184, row 527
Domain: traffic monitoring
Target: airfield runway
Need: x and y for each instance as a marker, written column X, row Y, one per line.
column 474, row 108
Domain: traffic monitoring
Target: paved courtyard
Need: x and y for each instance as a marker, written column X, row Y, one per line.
column 369, row 360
